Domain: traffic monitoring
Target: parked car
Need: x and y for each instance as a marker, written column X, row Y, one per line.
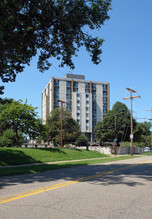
column 147, row 149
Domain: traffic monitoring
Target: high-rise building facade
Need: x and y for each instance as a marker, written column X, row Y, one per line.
column 88, row 101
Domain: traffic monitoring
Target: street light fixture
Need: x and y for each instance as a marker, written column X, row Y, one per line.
column 61, row 101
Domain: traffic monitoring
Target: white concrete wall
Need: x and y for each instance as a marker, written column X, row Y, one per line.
column 50, row 98
column 44, row 105
column 74, row 105
column 62, row 90
column 81, row 87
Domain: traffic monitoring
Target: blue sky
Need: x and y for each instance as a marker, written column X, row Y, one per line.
column 126, row 61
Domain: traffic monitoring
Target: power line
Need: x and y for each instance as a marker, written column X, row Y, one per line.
column 58, row 70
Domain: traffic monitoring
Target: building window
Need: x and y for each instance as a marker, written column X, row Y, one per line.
column 78, row 108
column 56, row 82
column 56, row 95
column 68, row 83
column 78, row 95
column 87, row 121
column 104, row 99
column 104, row 87
column 87, row 90
column 104, row 106
column 93, row 97
column 87, row 87
column 68, row 96
column 68, row 89
column 104, row 111
column 94, row 117
column 75, row 89
column 94, row 103
column 94, row 111
column 87, row 128
column 78, row 114
column 68, row 107
column 87, row 114
column 94, row 123
column 56, row 89
column 56, row 104
column 94, row 92
column 87, row 108
column 93, row 86
column 87, row 95
column 75, row 84
column 87, row 102
column 104, row 93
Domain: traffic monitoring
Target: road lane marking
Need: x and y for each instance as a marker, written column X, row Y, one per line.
column 36, row 191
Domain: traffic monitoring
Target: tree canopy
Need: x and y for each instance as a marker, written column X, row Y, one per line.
column 8, row 138
column 119, row 116
column 82, row 141
column 20, row 117
column 51, row 28
column 116, row 125
column 71, row 129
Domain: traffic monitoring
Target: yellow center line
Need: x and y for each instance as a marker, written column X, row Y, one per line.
column 36, row 191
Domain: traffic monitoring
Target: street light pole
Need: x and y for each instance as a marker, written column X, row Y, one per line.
column 61, row 101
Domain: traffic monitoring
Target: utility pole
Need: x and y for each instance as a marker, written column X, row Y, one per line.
column 131, row 98
column 61, row 101
column 151, row 126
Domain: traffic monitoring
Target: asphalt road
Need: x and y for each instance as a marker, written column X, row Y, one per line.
column 121, row 189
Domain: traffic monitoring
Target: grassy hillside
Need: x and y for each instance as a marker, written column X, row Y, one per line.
column 8, row 171
column 15, row 156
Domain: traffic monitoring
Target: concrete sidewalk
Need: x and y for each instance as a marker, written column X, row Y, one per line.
column 56, row 162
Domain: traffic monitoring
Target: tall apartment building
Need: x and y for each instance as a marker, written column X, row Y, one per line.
column 88, row 101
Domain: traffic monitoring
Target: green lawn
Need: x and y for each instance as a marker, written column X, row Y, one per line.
column 15, row 156
column 7, row 171
column 147, row 153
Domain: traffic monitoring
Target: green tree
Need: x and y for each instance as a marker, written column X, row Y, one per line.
column 82, row 141
column 146, row 128
column 20, row 117
column 105, row 130
column 148, row 141
column 142, row 131
column 71, row 129
column 8, row 138
column 139, row 133
column 48, row 28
